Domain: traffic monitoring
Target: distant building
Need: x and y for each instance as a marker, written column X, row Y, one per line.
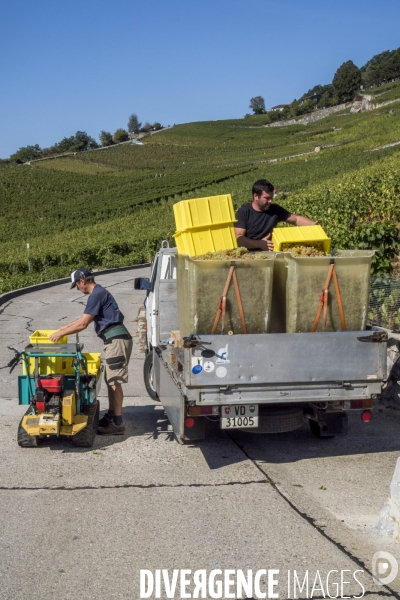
column 279, row 107
column 313, row 97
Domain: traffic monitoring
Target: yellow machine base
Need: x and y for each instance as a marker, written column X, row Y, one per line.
column 49, row 424
column 68, row 423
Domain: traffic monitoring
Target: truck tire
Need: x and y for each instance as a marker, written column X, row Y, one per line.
column 24, row 439
column 148, row 376
column 85, row 437
column 278, row 420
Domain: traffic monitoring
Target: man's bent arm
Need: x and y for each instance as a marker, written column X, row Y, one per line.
column 248, row 243
column 300, row 221
column 74, row 327
column 69, row 324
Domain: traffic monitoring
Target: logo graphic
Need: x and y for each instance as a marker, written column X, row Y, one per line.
column 384, row 568
column 227, row 410
column 222, row 356
column 252, row 409
column 209, row 366
column 221, row 372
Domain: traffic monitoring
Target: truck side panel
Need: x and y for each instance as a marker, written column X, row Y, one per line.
column 297, row 358
column 171, row 397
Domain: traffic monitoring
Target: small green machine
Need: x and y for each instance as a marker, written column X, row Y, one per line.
column 60, row 384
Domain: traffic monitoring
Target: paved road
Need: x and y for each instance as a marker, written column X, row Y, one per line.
column 83, row 522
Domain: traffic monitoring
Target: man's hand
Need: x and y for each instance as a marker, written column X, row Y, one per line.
column 245, row 242
column 56, row 336
column 269, row 244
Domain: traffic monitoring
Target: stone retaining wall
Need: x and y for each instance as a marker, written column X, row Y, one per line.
column 316, row 115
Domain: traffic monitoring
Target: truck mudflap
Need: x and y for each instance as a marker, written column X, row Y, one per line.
column 337, row 360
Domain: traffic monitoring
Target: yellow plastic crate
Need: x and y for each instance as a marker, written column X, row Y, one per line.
column 200, row 240
column 201, row 212
column 309, row 234
column 93, row 362
column 42, row 336
column 49, row 365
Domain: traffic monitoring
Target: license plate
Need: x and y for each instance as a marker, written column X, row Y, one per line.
column 239, row 416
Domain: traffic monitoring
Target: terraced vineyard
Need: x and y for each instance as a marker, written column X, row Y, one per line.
column 113, row 207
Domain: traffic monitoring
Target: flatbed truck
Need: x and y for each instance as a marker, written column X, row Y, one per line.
column 263, row 383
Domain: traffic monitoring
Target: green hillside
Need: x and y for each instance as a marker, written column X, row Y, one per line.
column 112, row 207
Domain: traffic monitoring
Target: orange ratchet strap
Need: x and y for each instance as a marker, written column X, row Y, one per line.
column 222, row 302
column 323, row 302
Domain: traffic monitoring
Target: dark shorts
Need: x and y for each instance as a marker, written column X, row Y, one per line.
column 117, row 354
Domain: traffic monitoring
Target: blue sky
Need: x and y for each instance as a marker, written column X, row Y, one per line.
column 88, row 65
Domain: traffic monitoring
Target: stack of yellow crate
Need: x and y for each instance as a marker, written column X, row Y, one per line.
column 48, row 365
column 54, row 365
column 205, row 225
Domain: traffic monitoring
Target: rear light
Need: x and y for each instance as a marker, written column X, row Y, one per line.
column 202, row 410
column 354, row 404
column 189, row 422
column 366, row 416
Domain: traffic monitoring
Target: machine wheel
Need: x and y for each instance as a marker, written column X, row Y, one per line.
column 24, row 439
column 85, row 437
column 148, row 373
column 316, row 430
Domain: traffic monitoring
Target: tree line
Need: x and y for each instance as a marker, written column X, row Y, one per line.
column 347, row 81
column 381, row 68
column 81, row 141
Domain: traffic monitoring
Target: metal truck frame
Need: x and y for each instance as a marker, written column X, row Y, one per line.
column 264, row 382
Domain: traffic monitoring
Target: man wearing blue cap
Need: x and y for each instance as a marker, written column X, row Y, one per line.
column 102, row 309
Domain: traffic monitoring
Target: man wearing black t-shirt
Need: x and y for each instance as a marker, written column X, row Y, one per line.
column 255, row 221
column 102, row 309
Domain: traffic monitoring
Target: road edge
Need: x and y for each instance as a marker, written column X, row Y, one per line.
column 48, row 284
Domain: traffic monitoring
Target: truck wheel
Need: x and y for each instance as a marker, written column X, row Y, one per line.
column 85, row 437
column 278, row 420
column 24, row 439
column 317, row 430
column 148, row 375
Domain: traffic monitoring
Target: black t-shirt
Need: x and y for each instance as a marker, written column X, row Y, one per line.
column 258, row 224
column 102, row 305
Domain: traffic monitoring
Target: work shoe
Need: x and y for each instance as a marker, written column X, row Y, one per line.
column 104, row 421
column 112, row 429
